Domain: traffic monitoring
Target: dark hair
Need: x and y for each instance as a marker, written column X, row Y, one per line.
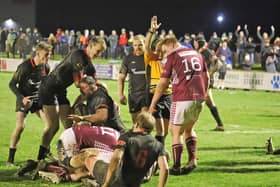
column 88, row 80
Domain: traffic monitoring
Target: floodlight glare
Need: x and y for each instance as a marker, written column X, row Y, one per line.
column 220, row 19
column 9, row 23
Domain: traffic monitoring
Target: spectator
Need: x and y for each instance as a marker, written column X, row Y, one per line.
column 250, row 49
column 3, row 38
column 224, row 51
column 265, row 43
column 53, row 42
column 240, row 43
column 113, row 44
column 214, row 42
column 21, row 45
column 222, row 72
column 10, row 43
column 123, row 42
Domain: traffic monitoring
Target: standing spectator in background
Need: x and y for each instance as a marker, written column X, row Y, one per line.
column 21, row 45
column 265, row 43
column 10, row 43
column 129, row 48
column 276, row 47
column 190, row 80
column 186, row 40
column 105, row 38
column 25, row 85
column 72, row 40
column 214, row 42
column 53, row 42
column 3, row 38
column 240, row 43
column 113, row 44
column 78, row 40
column 29, row 40
column 123, row 42
column 232, row 47
column 224, row 50
column 83, row 41
column 134, row 66
column 63, row 44
column 36, row 37
column 250, row 47
column 91, row 34
column 222, row 72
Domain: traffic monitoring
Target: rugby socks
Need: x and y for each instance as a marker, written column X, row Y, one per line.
column 191, row 147
column 215, row 113
column 12, row 152
column 177, row 150
column 42, row 152
column 161, row 139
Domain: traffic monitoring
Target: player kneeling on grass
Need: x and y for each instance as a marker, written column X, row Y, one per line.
column 100, row 107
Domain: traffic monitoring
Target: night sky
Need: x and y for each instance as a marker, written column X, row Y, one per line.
column 180, row 15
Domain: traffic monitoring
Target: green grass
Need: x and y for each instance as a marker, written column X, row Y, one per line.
column 235, row 157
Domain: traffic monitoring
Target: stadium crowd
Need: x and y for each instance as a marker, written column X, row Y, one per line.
column 169, row 82
column 238, row 49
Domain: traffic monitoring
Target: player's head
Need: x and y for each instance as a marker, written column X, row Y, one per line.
column 145, row 121
column 138, row 45
column 87, row 85
column 199, row 42
column 96, row 46
column 168, row 44
column 43, row 51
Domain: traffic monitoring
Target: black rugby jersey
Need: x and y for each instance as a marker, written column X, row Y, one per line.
column 27, row 79
column 134, row 66
column 74, row 62
column 141, row 150
column 101, row 99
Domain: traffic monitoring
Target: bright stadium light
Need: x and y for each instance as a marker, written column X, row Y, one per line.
column 10, row 24
column 220, row 18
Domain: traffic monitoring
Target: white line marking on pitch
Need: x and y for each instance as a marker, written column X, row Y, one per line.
column 263, row 131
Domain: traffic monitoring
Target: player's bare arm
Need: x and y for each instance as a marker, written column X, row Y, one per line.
column 113, row 165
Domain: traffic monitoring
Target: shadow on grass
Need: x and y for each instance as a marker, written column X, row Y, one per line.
column 238, row 170
column 269, row 115
column 240, row 163
column 227, row 148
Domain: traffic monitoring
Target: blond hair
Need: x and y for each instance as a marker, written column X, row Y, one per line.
column 169, row 40
column 100, row 41
column 146, row 121
column 43, row 46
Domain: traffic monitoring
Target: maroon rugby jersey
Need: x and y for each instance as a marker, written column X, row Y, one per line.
column 98, row 137
column 187, row 69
